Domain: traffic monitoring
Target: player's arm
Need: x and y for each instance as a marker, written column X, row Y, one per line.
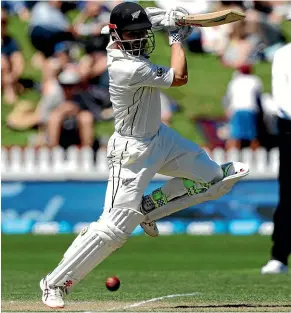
column 179, row 65
column 176, row 37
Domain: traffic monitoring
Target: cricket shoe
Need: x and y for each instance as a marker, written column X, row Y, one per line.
column 274, row 267
column 52, row 297
column 150, row 228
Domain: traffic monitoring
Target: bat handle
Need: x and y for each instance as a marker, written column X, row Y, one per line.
column 180, row 22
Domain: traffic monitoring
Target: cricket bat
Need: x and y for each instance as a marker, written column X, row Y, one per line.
column 210, row 19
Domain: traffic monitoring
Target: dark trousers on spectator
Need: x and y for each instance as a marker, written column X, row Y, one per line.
column 282, row 217
column 44, row 39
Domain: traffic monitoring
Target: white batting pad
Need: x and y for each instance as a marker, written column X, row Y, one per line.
column 93, row 245
column 236, row 172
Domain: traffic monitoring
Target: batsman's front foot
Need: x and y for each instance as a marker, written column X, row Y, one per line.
column 150, row 228
column 149, row 203
column 274, row 267
column 52, row 297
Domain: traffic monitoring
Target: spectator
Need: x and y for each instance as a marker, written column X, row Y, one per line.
column 241, row 104
column 48, row 26
column 215, row 39
column 96, row 100
column 240, row 47
column 264, row 18
column 93, row 68
column 93, row 65
column 18, row 8
column 69, row 81
column 99, row 16
column 12, row 63
column 60, row 59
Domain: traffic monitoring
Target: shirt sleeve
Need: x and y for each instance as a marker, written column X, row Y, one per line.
column 152, row 75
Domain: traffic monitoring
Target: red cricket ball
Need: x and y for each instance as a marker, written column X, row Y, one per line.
column 112, row 283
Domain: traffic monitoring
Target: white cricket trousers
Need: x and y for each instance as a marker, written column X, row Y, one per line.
column 134, row 161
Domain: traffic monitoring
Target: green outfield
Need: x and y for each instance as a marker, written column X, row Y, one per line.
column 206, row 273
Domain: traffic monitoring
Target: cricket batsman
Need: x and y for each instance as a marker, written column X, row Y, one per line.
column 140, row 147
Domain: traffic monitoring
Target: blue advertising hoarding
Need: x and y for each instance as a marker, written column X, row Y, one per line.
column 64, row 206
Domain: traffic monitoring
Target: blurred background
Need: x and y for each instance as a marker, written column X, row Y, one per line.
column 57, row 115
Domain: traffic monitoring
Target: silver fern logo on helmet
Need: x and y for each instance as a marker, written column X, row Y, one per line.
column 135, row 15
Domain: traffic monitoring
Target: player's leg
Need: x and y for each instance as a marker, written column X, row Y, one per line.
column 121, row 215
column 89, row 249
column 198, row 179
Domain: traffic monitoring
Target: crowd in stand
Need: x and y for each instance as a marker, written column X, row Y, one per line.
column 71, row 56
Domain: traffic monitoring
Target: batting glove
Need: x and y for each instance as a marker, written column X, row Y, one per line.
column 176, row 33
column 156, row 16
column 179, row 35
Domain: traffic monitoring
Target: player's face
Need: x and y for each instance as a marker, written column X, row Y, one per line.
column 132, row 35
column 137, row 41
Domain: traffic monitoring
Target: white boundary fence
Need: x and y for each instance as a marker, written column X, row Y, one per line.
column 78, row 164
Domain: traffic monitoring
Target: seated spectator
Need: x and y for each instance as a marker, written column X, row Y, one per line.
column 97, row 13
column 55, row 113
column 12, row 63
column 215, row 39
column 93, row 65
column 241, row 104
column 265, row 18
column 19, row 8
column 60, row 59
column 240, row 47
column 53, row 94
column 48, row 26
column 96, row 100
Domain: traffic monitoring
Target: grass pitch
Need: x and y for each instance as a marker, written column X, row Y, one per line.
column 209, row 273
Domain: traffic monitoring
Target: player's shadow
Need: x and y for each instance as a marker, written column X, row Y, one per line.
column 240, row 305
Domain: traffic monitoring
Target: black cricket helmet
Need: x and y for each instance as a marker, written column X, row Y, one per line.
column 131, row 17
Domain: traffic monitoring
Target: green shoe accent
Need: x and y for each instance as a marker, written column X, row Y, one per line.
column 159, row 198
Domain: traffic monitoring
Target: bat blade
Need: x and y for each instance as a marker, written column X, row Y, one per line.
column 211, row 19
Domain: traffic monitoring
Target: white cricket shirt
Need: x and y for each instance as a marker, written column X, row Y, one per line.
column 281, row 81
column 134, row 84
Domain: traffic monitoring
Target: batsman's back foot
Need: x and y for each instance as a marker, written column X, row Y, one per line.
column 150, row 228
column 52, row 297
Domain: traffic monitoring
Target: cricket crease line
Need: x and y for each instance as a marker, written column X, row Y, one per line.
column 157, row 299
